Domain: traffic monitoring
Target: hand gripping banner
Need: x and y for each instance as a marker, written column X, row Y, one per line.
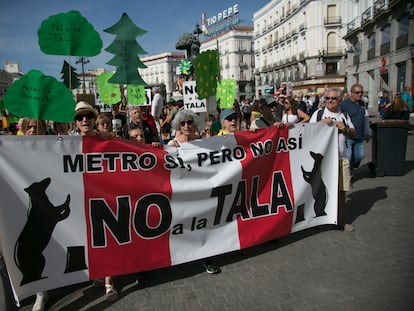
column 79, row 208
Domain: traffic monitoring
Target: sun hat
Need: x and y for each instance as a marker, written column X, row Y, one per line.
column 82, row 107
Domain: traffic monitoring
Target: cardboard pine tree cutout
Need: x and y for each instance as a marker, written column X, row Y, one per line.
column 69, row 76
column 126, row 51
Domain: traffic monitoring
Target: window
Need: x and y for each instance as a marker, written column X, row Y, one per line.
column 386, row 34
column 371, row 41
column 403, row 25
column 331, row 68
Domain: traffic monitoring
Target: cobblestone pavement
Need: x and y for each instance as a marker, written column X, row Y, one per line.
column 323, row 268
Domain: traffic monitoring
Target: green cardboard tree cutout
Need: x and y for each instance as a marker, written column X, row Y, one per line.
column 136, row 95
column 226, row 92
column 69, row 76
column 108, row 92
column 206, row 72
column 68, row 34
column 38, row 96
column 126, row 51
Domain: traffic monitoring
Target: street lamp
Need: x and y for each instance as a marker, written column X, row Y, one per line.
column 83, row 61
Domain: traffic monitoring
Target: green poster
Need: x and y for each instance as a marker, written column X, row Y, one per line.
column 38, row 96
column 68, row 34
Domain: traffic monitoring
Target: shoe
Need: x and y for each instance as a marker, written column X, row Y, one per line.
column 211, row 268
column 41, row 299
column 140, row 280
column 110, row 293
column 98, row 283
column 348, row 228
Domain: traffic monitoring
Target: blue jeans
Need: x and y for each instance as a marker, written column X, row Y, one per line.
column 355, row 152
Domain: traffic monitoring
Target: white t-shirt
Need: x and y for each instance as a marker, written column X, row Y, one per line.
column 339, row 117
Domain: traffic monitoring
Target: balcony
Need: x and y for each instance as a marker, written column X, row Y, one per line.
column 352, row 25
column 332, row 21
column 366, row 16
column 385, row 48
column 331, row 52
column 379, row 7
column 371, row 53
column 301, row 56
column 302, row 27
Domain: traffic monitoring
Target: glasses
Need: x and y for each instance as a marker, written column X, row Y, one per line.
column 357, row 92
column 80, row 117
column 188, row 122
column 231, row 117
column 32, row 127
column 286, row 103
column 333, row 98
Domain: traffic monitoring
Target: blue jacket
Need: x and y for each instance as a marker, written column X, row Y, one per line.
column 356, row 112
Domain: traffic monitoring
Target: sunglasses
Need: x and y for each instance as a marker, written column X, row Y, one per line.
column 333, row 98
column 80, row 117
column 32, row 127
column 358, row 92
column 188, row 122
column 231, row 117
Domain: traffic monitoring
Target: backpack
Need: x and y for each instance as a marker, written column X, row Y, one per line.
column 320, row 114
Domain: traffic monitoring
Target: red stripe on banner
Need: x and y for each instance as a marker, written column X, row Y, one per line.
column 127, row 207
column 269, row 193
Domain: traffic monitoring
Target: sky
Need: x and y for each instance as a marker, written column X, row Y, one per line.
column 164, row 20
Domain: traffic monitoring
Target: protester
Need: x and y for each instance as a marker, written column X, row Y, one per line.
column 119, row 121
column 229, row 123
column 384, row 100
column 61, row 128
column 262, row 114
column 292, row 115
column 247, row 112
column 167, row 132
column 186, row 122
column 140, row 118
column 212, row 127
column 85, row 120
column 103, row 124
column 30, row 126
column 397, row 109
column 355, row 149
column 333, row 116
column 137, row 134
column 408, row 98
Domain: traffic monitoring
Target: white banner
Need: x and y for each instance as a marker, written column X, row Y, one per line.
column 79, row 208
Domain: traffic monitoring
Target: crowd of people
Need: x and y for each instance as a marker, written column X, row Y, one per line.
column 167, row 122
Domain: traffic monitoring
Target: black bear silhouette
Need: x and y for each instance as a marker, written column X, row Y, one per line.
column 35, row 236
column 314, row 178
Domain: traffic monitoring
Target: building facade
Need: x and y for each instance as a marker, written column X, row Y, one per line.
column 236, row 57
column 162, row 70
column 381, row 37
column 299, row 44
